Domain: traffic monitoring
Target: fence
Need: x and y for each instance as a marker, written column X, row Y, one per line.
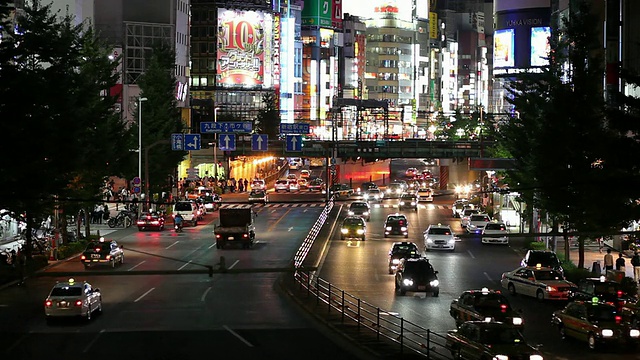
column 405, row 337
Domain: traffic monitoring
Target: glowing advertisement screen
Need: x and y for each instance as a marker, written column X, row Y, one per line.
column 540, row 46
column 504, row 48
column 241, row 52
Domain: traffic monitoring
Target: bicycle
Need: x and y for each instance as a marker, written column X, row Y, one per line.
column 123, row 219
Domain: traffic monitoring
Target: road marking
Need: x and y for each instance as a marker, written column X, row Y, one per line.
column 280, row 219
column 136, row 265
column 212, row 245
column 238, row 336
column 172, row 244
column 143, row 295
column 234, row 264
column 291, row 228
column 205, row 293
column 93, row 341
column 471, row 254
column 183, row 266
column 488, row 277
column 17, row 342
column 304, row 211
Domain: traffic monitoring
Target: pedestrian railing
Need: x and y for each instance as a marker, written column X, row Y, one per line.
column 384, row 325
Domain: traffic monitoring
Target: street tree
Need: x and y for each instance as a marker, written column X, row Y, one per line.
column 268, row 119
column 56, row 77
column 160, row 118
column 558, row 136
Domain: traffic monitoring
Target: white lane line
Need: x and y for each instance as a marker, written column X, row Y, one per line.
column 488, row 277
column 304, row 211
column 136, row 265
column 212, row 245
column 471, row 254
column 290, row 229
column 205, row 293
column 238, row 336
column 183, row 266
column 172, row 244
column 93, row 341
column 234, row 264
column 143, row 295
column 17, row 342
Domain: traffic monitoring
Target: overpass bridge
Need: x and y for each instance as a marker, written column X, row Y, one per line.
column 379, row 149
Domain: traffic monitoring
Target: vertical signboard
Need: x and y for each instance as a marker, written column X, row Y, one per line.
column 276, row 57
column 422, row 9
column 317, row 13
column 433, row 25
column 336, row 17
column 240, row 55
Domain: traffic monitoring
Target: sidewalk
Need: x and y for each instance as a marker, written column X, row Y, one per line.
column 592, row 254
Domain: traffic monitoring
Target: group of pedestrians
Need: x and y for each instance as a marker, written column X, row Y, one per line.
column 620, row 265
column 99, row 213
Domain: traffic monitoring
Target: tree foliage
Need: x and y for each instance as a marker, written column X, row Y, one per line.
column 268, row 118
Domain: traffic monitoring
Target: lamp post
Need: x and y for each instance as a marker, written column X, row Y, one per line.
column 215, row 146
column 140, row 100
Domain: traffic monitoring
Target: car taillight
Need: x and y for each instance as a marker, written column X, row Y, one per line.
column 78, row 303
column 108, row 257
column 620, row 293
column 618, row 319
column 218, row 236
column 48, row 303
column 245, row 235
column 83, row 257
column 503, row 308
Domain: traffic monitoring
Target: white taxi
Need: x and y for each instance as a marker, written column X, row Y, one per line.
column 439, row 237
column 540, row 282
column 72, row 298
column 281, row 185
column 495, row 232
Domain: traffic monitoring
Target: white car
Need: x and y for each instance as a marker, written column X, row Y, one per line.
column 439, row 237
column 258, row 185
column 305, row 174
column 465, row 216
column 495, row 232
column 458, row 206
column 188, row 210
column 373, row 195
column 281, row 185
column 539, row 282
column 293, row 185
column 477, row 222
column 71, row 298
column 425, row 194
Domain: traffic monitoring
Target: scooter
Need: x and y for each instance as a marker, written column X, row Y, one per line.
column 177, row 227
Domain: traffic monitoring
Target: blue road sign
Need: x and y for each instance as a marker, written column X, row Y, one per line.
column 191, row 142
column 177, row 141
column 227, row 142
column 226, row 127
column 294, row 128
column 294, row 142
column 259, row 142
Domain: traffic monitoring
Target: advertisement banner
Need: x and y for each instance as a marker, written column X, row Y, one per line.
column 336, row 17
column 503, row 49
column 240, row 53
column 317, row 13
column 433, row 25
column 276, row 56
column 540, row 46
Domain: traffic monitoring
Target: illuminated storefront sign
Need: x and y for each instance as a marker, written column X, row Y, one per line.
column 503, row 49
column 540, row 45
column 336, row 17
column 276, row 57
column 241, row 52
column 317, row 13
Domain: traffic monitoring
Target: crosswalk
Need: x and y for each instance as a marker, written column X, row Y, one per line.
column 320, row 204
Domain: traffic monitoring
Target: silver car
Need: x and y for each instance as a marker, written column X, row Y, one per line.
column 72, row 298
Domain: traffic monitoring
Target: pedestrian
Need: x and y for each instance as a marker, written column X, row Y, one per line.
column 246, row 184
column 240, row 185
column 635, row 262
column 608, row 261
column 600, row 241
column 620, row 263
column 100, row 211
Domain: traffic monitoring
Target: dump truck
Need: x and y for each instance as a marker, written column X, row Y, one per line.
column 236, row 226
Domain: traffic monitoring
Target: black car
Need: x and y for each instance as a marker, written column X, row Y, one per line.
column 150, row 220
column 366, row 186
column 396, row 224
column 483, row 304
column 541, row 258
column 402, row 250
column 408, row 200
column 416, row 275
column 606, row 291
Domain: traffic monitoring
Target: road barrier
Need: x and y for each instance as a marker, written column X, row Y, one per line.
column 407, row 337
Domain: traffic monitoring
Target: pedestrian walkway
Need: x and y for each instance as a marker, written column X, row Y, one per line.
column 592, row 254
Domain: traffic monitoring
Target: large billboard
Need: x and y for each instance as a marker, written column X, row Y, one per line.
column 336, row 17
column 317, row 13
column 503, row 48
column 540, row 45
column 241, row 59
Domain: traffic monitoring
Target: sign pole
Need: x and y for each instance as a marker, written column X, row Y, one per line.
column 215, row 146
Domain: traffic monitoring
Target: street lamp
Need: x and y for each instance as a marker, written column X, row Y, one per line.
column 140, row 100
column 215, row 145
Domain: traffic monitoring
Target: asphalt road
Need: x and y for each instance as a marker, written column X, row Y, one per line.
column 360, row 268
column 238, row 316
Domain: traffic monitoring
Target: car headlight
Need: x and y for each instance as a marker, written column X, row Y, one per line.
column 397, row 261
column 366, row 213
column 535, row 357
column 403, row 228
column 360, row 231
column 389, row 191
column 413, row 203
column 428, row 240
column 350, row 212
column 607, row 333
column 451, row 240
column 388, row 228
column 366, row 196
column 517, row 321
column 401, row 202
column 471, row 226
column 434, row 283
column 344, row 231
column 634, row 333
column 407, row 282
column 551, row 289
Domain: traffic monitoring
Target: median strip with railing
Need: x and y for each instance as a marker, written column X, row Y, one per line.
column 384, row 325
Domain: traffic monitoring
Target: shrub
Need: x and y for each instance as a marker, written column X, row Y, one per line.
column 574, row 274
column 629, row 285
column 536, row 245
column 71, row 249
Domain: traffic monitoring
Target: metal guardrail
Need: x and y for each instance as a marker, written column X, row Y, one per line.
column 385, row 325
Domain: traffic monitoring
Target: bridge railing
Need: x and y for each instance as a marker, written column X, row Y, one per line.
column 384, row 325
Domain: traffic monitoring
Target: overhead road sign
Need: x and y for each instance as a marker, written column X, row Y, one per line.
column 259, row 142
column 177, row 141
column 294, row 128
column 225, row 127
column 227, row 142
column 294, row 142
column 191, row 142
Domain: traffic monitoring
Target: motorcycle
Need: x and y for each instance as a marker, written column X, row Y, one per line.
column 124, row 219
column 177, row 227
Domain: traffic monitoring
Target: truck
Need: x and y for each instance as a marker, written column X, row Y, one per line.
column 236, row 226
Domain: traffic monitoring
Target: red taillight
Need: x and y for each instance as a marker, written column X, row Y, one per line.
column 97, row 250
column 618, row 319
column 48, row 303
column 503, row 308
column 218, row 236
column 245, row 235
column 620, row 293
column 148, row 217
column 83, row 257
column 78, row 303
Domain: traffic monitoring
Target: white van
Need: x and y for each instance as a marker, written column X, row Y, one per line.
column 188, row 210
